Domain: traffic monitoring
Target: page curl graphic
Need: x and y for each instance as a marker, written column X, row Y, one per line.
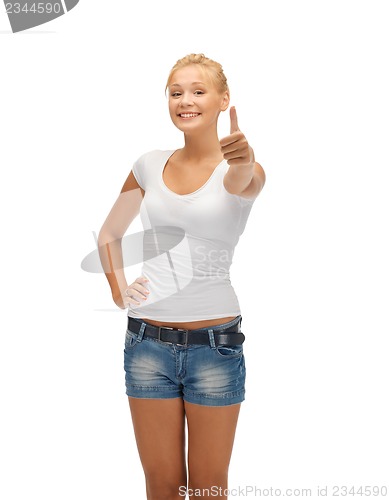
column 26, row 14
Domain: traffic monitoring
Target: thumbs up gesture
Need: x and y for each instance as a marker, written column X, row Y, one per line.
column 235, row 148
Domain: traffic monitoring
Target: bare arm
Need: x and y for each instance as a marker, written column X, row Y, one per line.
column 245, row 181
column 123, row 212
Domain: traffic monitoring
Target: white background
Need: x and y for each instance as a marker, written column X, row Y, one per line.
column 81, row 98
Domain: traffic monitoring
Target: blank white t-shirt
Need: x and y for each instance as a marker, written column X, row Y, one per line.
column 188, row 245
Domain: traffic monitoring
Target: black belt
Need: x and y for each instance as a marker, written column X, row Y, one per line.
column 181, row 336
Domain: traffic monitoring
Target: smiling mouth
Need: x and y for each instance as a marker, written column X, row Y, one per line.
column 189, row 115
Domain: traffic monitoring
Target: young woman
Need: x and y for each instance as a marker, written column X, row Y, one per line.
column 183, row 353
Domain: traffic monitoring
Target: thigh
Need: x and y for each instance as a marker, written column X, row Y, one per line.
column 150, row 368
column 215, row 376
column 159, row 426
column 211, row 433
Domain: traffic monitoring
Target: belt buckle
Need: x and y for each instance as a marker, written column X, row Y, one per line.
column 159, row 334
column 170, row 328
column 186, row 335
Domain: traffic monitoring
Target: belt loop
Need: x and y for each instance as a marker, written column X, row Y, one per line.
column 211, row 338
column 141, row 331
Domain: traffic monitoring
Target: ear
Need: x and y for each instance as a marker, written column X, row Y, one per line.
column 225, row 101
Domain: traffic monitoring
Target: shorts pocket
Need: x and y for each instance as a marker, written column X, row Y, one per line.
column 130, row 340
column 230, row 351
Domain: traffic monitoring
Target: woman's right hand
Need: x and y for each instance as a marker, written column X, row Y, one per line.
column 134, row 294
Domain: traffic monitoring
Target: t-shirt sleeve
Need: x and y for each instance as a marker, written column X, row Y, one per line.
column 244, row 202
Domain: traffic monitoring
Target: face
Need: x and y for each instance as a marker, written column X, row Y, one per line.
column 194, row 100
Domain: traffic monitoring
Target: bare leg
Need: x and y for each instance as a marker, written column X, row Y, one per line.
column 159, row 426
column 211, row 433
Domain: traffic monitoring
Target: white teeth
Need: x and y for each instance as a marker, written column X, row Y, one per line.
column 189, row 115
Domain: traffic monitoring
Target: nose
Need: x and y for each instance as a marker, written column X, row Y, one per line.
column 187, row 99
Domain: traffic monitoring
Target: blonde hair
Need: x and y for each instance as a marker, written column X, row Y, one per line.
column 209, row 67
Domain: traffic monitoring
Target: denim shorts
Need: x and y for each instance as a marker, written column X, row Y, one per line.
column 202, row 374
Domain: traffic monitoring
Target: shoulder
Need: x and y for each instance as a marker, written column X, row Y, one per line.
column 143, row 167
column 151, row 162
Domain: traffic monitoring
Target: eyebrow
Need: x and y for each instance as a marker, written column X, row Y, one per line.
column 178, row 85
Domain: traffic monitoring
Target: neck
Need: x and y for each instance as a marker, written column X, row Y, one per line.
column 202, row 146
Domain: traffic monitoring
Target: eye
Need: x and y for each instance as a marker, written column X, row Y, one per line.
column 199, row 92
column 175, row 94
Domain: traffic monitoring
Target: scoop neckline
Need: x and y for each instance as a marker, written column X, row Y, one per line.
column 170, row 154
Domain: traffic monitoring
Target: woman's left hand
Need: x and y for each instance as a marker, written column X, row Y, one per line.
column 235, row 148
